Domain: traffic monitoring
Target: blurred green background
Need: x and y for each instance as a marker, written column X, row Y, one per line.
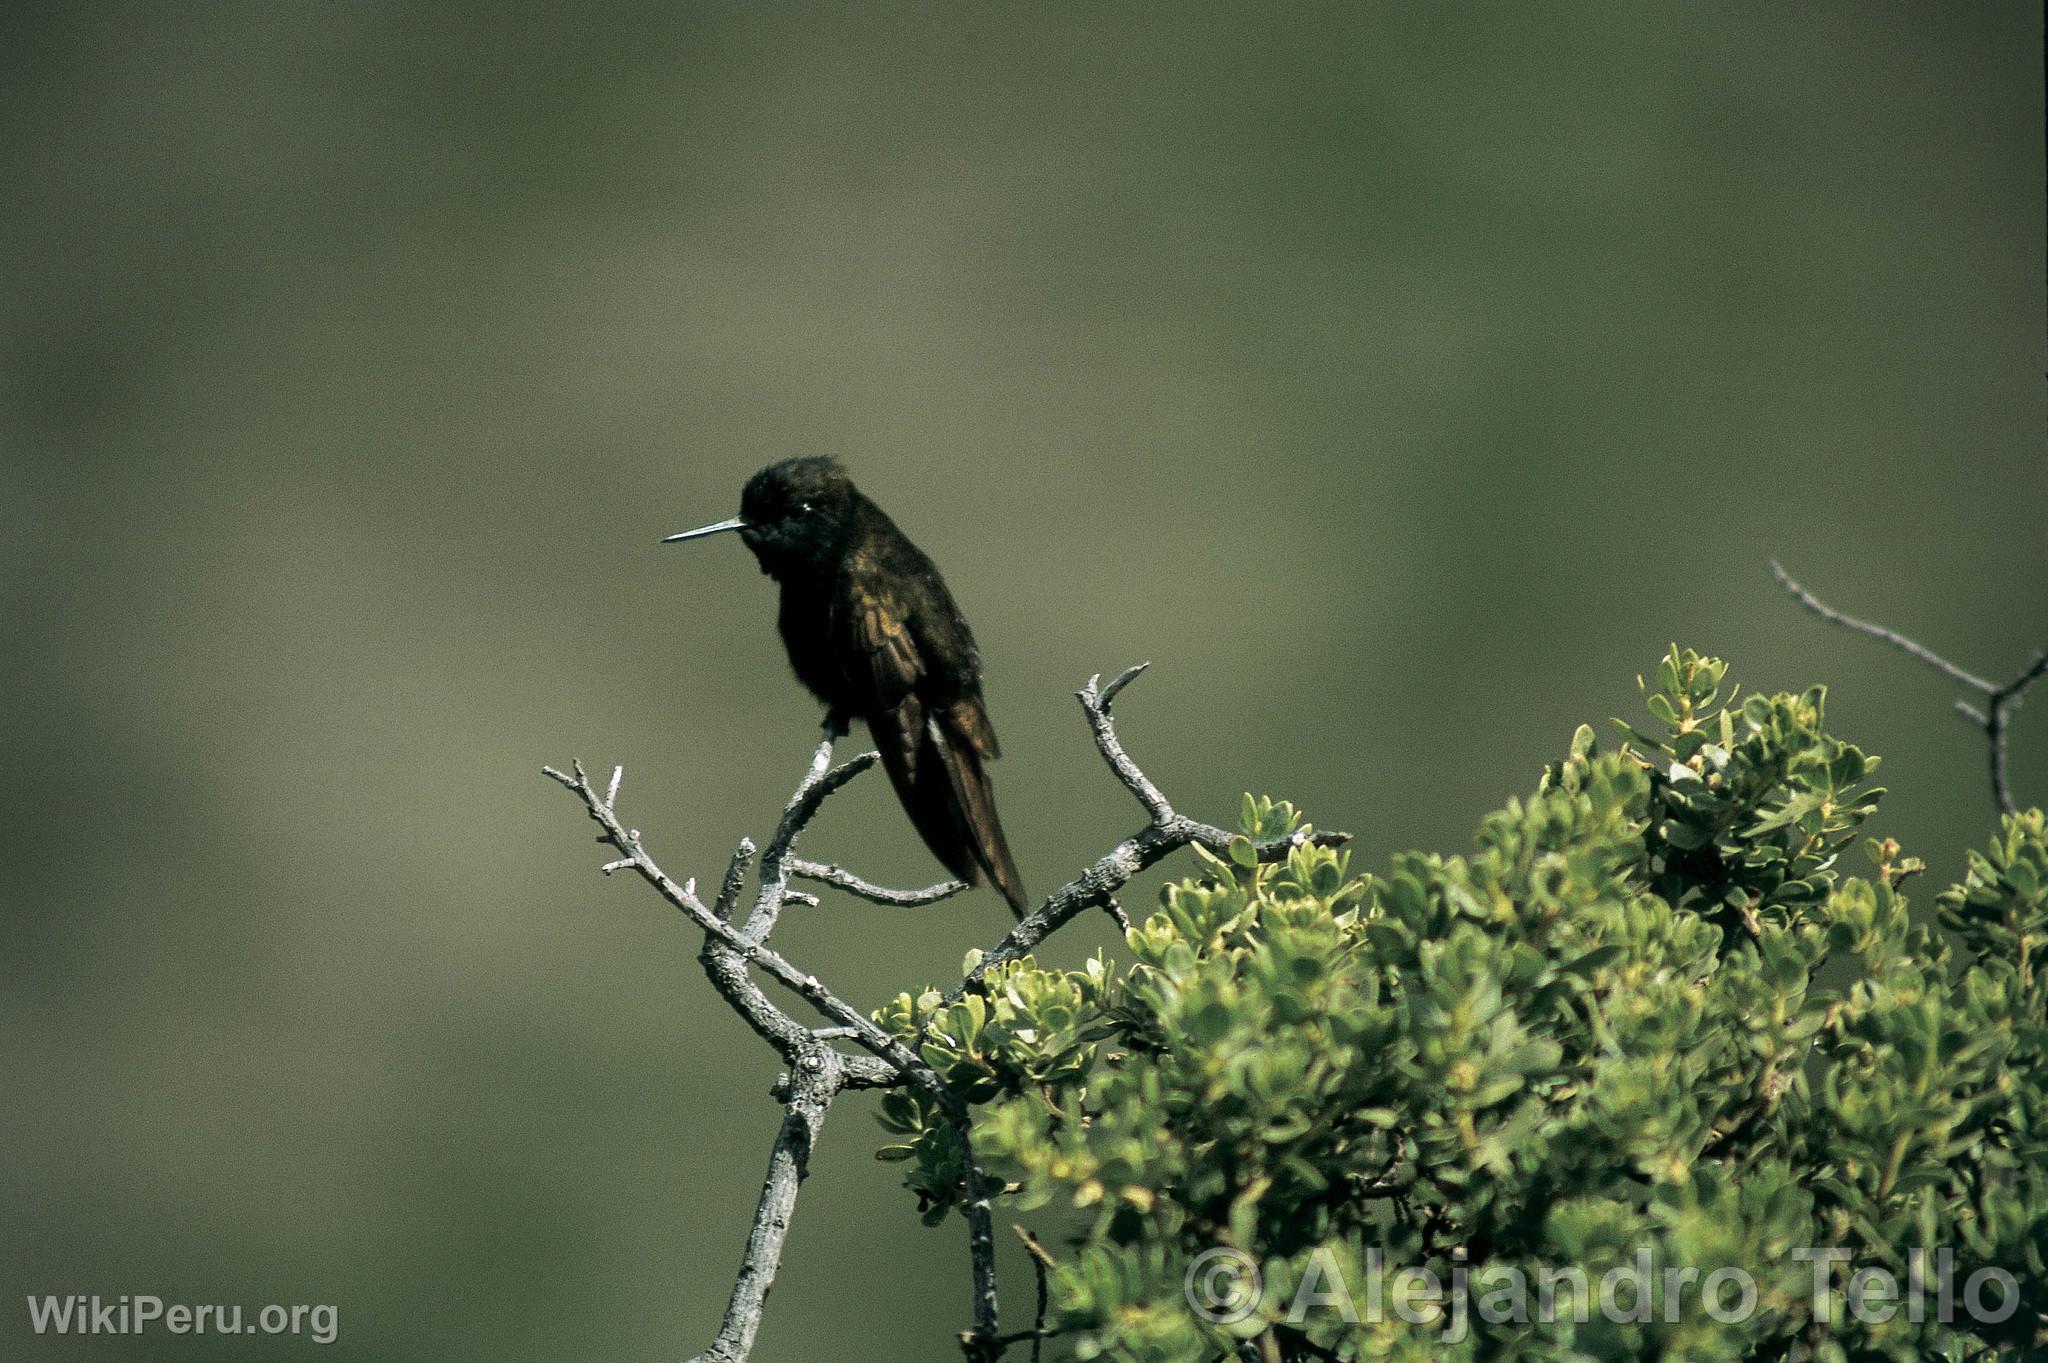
column 1398, row 380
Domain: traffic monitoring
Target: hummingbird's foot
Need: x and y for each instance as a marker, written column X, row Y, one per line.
column 837, row 722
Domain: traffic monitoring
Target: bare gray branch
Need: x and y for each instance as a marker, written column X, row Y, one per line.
column 1895, row 639
column 811, row 1091
column 2000, row 701
column 726, row 954
column 1166, row 834
column 1095, row 702
column 828, row 873
column 817, row 1071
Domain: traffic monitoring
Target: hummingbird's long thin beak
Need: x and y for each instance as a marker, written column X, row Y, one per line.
column 736, row 523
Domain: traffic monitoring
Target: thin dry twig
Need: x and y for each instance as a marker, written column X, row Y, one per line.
column 1999, row 701
column 1042, row 1264
column 1167, row 832
column 829, row 873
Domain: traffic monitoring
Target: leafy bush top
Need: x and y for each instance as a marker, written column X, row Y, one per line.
column 1647, row 1011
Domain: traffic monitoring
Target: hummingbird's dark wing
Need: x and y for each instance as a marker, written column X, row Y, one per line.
column 932, row 733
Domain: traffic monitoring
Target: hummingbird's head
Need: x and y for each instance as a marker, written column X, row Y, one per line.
column 794, row 515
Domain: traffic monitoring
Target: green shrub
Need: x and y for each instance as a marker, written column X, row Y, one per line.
column 1647, row 1013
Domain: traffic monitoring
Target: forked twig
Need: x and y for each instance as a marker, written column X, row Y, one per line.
column 1999, row 701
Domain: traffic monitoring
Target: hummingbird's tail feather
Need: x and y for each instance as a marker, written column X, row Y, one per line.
column 936, row 766
column 974, row 804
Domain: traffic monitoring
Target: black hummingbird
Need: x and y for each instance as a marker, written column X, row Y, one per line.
column 875, row 635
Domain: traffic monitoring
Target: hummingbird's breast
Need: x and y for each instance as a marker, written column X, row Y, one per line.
column 805, row 623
